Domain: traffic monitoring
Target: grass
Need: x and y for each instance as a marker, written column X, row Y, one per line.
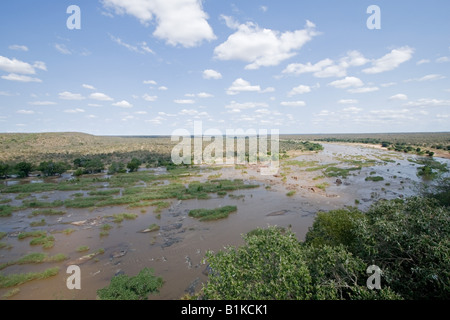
column 153, row 227
column 300, row 164
column 118, row 218
column 38, row 223
column 13, row 280
column 22, row 196
column 374, row 178
column 291, row 193
column 35, row 258
column 68, row 231
column 160, row 205
column 104, row 233
column 322, row 186
column 48, row 212
column 3, row 201
column 5, row 246
column 6, row 210
column 212, row 214
column 2, row 235
column 221, row 193
column 339, row 172
column 47, row 242
column 104, row 192
column 32, row 234
column 317, row 168
column 42, row 204
column 83, row 249
column 11, row 293
column 106, row 227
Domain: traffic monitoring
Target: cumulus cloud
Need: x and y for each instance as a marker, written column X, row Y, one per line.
column 443, row 59
column 347, row 82
column 100, row 97
column 390, row 61
column 153, row 82
column 399, row 96
column 212, row 74
column 66, row 95
column 262, row 47
column 423, row 61
column 293, row 103
column 20, row 78
column 301, row 89
column 352, row 110
column 42, row 103
column 241, row 85
column 179, row 22
column 163, row 88
column 123, row 104
column 16, row 66
column 327, row 68
column 149, row 98
column 87, row 86
column 77, row 110
column 25, row 112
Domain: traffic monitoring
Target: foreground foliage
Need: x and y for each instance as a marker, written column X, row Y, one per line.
column 138, row 287
column 409, row 241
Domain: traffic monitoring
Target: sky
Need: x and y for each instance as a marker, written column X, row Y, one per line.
column 149, row 67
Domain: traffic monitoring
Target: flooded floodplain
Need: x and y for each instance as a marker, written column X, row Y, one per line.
column 110, row 225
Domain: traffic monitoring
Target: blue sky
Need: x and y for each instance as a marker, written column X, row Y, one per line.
column 148, row 67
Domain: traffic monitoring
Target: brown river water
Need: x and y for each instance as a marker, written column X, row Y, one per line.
column 176, row 252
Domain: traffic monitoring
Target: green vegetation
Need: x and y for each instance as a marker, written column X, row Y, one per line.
column 6, row 210
column 118, row 218
column 106, row 227
column 3, row 201
column 31, row 234
column 374, row 178
column 212, row 214
column 153, row 227
column 23, row 169
column 104, row 192
column 13, row 280
column 83, row 249
column 291, row 193
column 48, row 212
column 2, row 235
column 11, row 293
column 5, row 245
column 300, row 164
column 35, row 258
column 322, row 186
column 138, row 287
column 50, row 168
column 68, row 231
column 38, row 223
column 339, row 172
column 431, row 168
column 42, row 204
column 134, row 164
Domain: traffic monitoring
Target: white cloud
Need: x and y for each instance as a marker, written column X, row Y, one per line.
column 25, row 112
column 142, row 48
column 66, row 95
column 149, row 98
column 42, row 103
column 363, row 90
column 40, row 65
column 100, row 97
column 263, row 8
column 77, row 110
column 94, row 105
column 163, row 88
column 62, row 48
column 246, row 105
column 20, row 78
column 178, row 21
column 428, row 77
column 348, row 101
column 241, row 85
column 391, row 60
column 443, row 59
column 157, row 120
column 204, row 95
column 184, row 101
column 263, row 47
column 91, row 116
column 18, row 47
column 192, row 112
column 399, row 96
column 327, row 68
column 301, row 89
column 428, row 103
column 347, row 82
column 389, row 84
column 352, row 110
column 87, row 86
column 123, row 104
column 141, row 112
column 293, row 103
column 423, row 61
column 16, row 66
column 153, row 82
column 211, row 74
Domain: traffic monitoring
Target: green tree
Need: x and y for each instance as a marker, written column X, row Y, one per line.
column 4, row 170
column 116, row 167
column 134, row 164
column 50, row 168
column 23, row 169
column 94, row 165
column 138, row 287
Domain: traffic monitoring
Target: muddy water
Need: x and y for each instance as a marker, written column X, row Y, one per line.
column 177, row 250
